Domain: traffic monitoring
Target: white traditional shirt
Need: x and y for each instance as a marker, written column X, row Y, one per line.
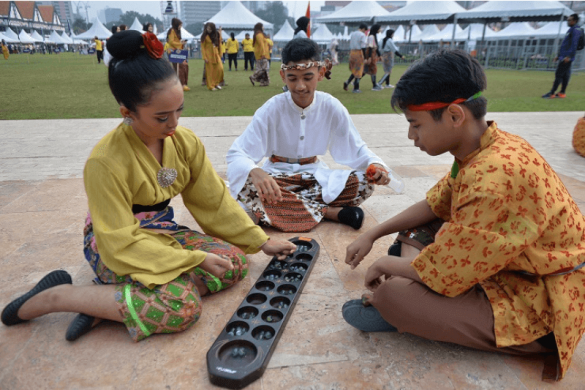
column 277, row 128
column 357, row 40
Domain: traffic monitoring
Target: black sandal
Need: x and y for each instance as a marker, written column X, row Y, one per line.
column 55, row 278
column 81, row 324
column 395, row 249
column 352, row 216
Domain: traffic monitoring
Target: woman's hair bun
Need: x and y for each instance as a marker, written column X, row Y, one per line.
column 125, row 44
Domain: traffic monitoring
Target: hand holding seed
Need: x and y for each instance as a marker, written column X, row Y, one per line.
column 357, row 250
column 215, row 265
column 279, row 248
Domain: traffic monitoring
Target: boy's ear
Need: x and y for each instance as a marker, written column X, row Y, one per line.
column 282, row 75
column 456, row 114
column 321, row 73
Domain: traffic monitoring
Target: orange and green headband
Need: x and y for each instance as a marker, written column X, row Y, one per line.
column 436, row 105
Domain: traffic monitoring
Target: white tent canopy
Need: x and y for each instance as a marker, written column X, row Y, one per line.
column 65, row 38
column 428, row 31
column 25, row 38
column 427, row 11
column 551, row 30
column 184, row 35
column 355, row 12
column 55, row 38
column 35, row 35
column 345, row 34
column 474, row 32
column 515, row 31
column 234, row 16
column 7, row 40
column 322, row 35
column 136, row 25
column 444, row 35
column 516, row 11
column 399, row 34
column 10, row 34
column 285, row 33
column 97, row 30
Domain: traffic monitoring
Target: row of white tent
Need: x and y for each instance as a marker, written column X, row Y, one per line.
column 9, row 36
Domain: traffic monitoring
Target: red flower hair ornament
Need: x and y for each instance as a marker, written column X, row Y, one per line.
column 153, row 46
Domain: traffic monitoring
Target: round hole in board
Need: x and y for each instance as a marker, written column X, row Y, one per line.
column 293, row 277
column 237, row 328
column 272, row 275
column 298, row 267
column 272, row 316
column 237, row 353
column 303, row 246
column 304, row 257
column 247, row 312
column 280, row 303
column 264, row 285
column 263, row 332
column 256, row 299
column 287, row 289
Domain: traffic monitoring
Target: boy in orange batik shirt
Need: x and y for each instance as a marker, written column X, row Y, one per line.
column 504, row 271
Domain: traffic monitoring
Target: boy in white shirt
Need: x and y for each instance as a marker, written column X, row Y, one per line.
column 294, row 190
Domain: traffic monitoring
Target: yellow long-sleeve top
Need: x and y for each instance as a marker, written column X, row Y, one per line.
column 122, row 172
column 98, row 45
column 232, row 46
column 174, row 41
column 209, row 51
column 221, row 48
column 248, row 45
column 269, row 45
column 260, row 47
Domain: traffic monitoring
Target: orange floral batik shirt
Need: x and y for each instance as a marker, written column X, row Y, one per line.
column 511, row 225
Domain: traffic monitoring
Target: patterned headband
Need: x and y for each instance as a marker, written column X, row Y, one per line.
column 436, row 105
column 302, row 66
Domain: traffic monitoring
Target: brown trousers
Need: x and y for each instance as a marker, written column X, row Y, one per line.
column 183, row 72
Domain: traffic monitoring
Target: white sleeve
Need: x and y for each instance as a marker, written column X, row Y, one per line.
column 392, row 45
column 346, row 145
column 371, row 42
column 363, row 41
column 247, row 151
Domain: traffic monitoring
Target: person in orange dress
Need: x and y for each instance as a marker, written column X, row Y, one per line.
column 210, row 46
column 261, row 54
column 5, row 50
column 176, row 43
column 579, row 137
column 493, row 258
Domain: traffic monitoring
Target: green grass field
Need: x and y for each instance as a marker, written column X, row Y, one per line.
column 73, row 86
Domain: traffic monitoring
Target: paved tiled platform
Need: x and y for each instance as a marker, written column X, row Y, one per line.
column 42, row 210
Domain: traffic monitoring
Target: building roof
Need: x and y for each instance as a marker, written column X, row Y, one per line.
column 97, row 29
column 518, row 30
column 26, row 9
column 46, row 12
column 551, row 30
column 4, row 8
column 356, row 12
column 322, row 35
column 234, row 16
column 445, row 35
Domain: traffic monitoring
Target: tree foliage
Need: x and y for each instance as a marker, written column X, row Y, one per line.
column 79, row 25
column 274, row 12
column 127, row 18
column 195, row 28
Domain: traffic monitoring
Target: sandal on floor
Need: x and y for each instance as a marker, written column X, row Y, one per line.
column 365, row 318
column 55, row 278
column 81, row 324
column 352, row 216
column 395, row 249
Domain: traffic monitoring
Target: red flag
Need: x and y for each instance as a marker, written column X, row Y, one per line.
column 308, row 15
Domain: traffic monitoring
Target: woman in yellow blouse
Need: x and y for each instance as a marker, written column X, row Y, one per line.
column 261, row 54
column 248, row 47
column 269, row 45
column 6, row 52
column 175, row 43
column 210, row 46
column 232, row 49
column 153, row 271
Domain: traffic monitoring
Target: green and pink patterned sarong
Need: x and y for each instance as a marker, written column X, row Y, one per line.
column 171, row 307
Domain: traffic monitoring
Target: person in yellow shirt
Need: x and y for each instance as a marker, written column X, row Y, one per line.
column 493, row 258
column 153, row 272
column 248, row 47
column 261, row 55
column 210, row 49
column 99, row 49
column 269, row 45
column 232, row 50
column 176, row 43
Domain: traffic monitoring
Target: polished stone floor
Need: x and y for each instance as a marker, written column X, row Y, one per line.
column 42, row 211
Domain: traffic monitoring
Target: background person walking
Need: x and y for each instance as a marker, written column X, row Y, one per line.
column 5, row 50
column 373, row 54
column 248, row 46
column 388, row 50
column 566, row 57
column 210, row 46
column 175, row 42
column 99, row 49
column 232, row 49
column 261, row 55
column 357, row 55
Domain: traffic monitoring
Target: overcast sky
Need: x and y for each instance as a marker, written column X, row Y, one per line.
column 295, row 8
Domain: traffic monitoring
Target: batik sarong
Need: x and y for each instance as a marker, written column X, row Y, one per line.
column 174, row 306
column 372, row 67
column 261, row 74
column 579, row 137
column 388, row 61
column 356, row 63
column 302, row 207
